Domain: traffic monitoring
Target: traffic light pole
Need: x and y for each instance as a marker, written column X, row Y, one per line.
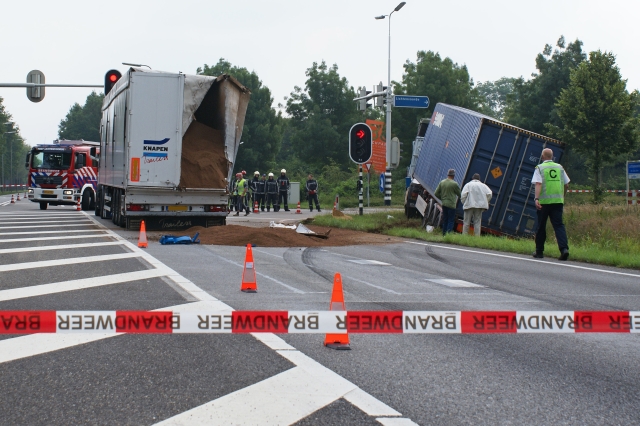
column 387, row 174
column 360, row 195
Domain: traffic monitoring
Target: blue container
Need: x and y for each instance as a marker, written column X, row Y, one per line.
column 505, row 157
column 407, row 182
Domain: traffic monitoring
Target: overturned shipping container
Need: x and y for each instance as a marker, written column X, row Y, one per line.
column 505, row 157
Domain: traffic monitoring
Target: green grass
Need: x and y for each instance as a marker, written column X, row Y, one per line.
column 605, row 234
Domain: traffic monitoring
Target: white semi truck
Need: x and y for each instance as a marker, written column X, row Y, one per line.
column 168, row 145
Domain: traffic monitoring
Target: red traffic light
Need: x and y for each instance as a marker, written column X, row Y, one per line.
column 360, row 134
column 110, row 79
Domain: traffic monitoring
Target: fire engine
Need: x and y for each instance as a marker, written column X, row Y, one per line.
column 63, row 173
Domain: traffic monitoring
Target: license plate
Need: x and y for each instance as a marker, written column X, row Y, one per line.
column 47, row 191
column 177, row 208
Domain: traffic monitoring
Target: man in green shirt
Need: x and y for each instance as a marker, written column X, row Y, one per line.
column 448, row 192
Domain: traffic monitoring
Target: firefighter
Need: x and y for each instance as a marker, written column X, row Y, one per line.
column 260, row 192
column 241, row 192
column 233, row 199
column 272, row 192
column 283, row 190
column 312, row 192
column 253, row 186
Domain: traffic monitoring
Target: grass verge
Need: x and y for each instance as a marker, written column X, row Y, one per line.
column 599, row 234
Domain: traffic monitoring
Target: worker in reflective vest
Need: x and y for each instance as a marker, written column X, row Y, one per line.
column 241, row 192
column 551, row 182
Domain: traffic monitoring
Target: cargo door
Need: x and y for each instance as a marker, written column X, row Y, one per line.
column 518, row 210
column 154, row 124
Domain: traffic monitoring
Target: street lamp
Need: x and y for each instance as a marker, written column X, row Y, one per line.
column 387, row 181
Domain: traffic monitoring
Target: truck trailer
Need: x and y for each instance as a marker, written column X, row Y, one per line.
column 505, row 156
column 63, row 173
column 168, row 145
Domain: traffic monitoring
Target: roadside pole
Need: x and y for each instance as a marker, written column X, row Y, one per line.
column 360, row 198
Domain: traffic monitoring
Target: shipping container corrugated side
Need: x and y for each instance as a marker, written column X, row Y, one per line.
column 505, row 157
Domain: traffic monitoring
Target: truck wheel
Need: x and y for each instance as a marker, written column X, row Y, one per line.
column 115, row 198
column 86, row 200
column 43, row 206
column 103, row 213
column 97, row 204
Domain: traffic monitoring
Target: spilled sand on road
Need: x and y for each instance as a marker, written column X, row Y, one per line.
column 234, row 235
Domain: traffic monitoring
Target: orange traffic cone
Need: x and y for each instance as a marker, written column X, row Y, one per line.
column 255, row 207
column 142, row 239
column 12, row 200
column 337, row 341
column 18, row 198
column 298, row 209
column 249, row 284
column 78, row 206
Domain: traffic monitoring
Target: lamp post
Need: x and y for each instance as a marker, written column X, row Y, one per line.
column 387, row 181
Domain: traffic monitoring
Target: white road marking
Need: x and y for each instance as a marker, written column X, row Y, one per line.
column 453, row 283
column 369, row 262
column 565, row 265
column 282, row 399
column 38, row 220
column 270, row 254
column 70, row 261
column 60, row 247
column 370, row 285
column 396, row 422
column 60, row 287
column 66, row 231
column 45, row 226
column 57, row 238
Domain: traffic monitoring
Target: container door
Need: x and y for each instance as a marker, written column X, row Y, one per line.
column 154, row 124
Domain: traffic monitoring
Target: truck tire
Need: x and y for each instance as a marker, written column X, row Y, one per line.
column 86, row 200
column 43, row 206
column 103, row 213
column 97, row 204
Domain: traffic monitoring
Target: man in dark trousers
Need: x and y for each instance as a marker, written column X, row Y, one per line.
column 312, row 192
column 260, row 191
column 272, row 193
column 448, row 192
column 551, row 182
column 283, row 190
column 254, row 183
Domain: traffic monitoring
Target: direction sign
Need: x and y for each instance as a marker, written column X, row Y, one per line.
column 405, row 101
column 382, row 182
column 633, row 170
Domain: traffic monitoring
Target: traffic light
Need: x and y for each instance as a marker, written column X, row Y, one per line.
column 35, row 94
column 360, row 143
column 363, row 103
column 110, row 79
column 381, row 100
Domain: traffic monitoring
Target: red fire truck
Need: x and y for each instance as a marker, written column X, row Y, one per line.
column 63, row 172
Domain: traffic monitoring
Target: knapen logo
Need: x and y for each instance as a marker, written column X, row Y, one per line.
column 153, row 151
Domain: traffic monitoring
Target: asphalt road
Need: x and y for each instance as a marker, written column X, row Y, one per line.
column 225, row 379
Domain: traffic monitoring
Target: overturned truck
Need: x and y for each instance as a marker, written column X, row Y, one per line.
column 168, row 145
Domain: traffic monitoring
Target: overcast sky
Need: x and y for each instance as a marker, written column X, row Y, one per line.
column 76, row 42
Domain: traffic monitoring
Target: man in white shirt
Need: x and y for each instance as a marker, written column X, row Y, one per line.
column 475, row 198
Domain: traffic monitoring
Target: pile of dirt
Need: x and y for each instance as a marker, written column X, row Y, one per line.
column 203, row 162
column 233, row 235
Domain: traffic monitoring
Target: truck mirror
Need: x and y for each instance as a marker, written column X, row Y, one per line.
column 27, row 160
column 93, row 151
column 80, row 161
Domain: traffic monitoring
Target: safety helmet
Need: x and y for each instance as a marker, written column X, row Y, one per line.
column 256, row 173
column 270, row 174
column 238, row 174
column 244, row 173
column 283, row 171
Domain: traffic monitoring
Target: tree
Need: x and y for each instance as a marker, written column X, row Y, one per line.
column 532, row 103
column 321, row 116
column 262, row 132
column 442, row 80
column 13, row 150
column 493, row 96
column 597, row 114
column 83, row 122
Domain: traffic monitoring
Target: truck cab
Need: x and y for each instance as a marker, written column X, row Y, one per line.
column 63, row 173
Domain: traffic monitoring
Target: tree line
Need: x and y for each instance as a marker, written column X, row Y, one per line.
column 578, row 98
column 13, row 150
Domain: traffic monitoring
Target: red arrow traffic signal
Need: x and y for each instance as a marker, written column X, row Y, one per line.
column 360, row 134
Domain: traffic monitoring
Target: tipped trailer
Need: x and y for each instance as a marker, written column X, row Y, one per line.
column 168, row 145
column 505, row 156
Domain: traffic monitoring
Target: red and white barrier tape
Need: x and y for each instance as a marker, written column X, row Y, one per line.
column 320, row 322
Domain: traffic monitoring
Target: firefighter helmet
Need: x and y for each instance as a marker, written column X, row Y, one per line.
column 270, row 174
column 283, row 171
